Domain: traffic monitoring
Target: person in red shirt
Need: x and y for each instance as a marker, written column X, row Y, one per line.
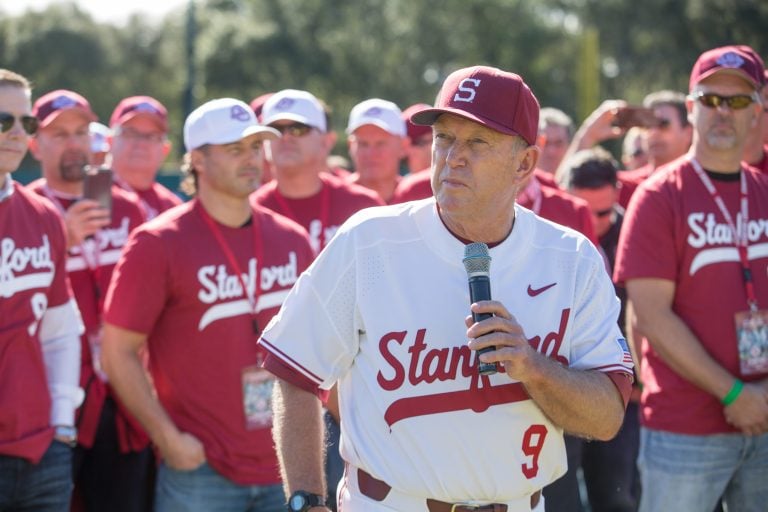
column 113, row 457
column 693, row 255
column 419, row 152
column 39, row 328
column 139, row 145
column 301, row 190
column 756, row 150
column 220, row 268
column 377, row 143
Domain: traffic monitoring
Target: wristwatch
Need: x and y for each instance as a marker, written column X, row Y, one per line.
column 66, row 434
column 301, row 501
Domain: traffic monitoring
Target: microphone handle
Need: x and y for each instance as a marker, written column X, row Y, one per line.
column 480, row 289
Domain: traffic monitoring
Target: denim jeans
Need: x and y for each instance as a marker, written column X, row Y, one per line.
column 204, row 490
column 688, row 473
column 42, row 487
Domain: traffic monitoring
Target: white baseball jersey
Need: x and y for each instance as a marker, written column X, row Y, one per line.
column 381, row 312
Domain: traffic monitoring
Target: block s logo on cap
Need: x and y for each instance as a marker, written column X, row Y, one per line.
column 468, row 86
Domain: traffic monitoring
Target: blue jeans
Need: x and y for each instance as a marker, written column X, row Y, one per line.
column 42, row 487
column 687, row 473
column 204, row 490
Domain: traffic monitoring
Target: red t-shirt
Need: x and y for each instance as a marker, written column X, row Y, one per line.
column 203, row 354
column 413, row 187
column 673, row 230
column 154, row 200
column 559, row 206
column 89, row 267
column 32, row 279
column 320, row 214
column 630, row 180
column 762, row 165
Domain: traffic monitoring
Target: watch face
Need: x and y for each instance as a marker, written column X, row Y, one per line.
column 297, row 502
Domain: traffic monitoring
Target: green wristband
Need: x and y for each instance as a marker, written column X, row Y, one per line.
column 734, row 393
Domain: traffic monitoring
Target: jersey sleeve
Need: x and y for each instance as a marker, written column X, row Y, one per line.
column 314, row 333
column 646, row 235
column 597, row 342
column 127, row 305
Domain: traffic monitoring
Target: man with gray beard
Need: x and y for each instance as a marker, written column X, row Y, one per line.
column 693, row 255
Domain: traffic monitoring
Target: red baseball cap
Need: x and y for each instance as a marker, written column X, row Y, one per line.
column 257, row 104
column 134, row 106
column 415, row 131
column 497, row 99
column 49, row 106
column 740, row 60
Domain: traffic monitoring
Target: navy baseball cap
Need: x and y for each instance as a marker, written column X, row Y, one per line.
column 497, row 99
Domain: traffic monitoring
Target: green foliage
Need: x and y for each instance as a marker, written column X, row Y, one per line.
column 348, row 50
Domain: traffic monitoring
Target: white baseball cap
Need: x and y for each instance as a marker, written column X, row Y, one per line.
column 99, row 137
column 384, row 114
column 294, row 105
column 222, row 121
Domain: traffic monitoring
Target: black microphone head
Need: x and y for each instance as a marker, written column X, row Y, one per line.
column 477, row 260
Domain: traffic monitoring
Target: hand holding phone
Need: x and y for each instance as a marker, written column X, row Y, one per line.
column 627, row 117
column 97, row 185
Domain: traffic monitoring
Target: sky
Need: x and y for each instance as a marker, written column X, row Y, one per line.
column 113, row 11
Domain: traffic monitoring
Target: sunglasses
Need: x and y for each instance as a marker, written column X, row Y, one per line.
column 29, row 123
column 736, row 102
column 295, row 129
column 602, row 213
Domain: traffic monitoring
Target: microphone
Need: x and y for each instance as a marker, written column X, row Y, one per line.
column 477, row 262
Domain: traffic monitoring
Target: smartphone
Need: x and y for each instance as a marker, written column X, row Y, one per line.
column 627, row 117
column 98, row 186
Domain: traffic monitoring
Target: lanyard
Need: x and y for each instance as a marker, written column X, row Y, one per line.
column 148, row 211
column 739, row 232
column 325, row 206
column 251, row 294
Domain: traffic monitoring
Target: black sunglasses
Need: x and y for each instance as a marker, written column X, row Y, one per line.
column 295, row 129
column 735, row 102
column 29, row 123
column 602, row 213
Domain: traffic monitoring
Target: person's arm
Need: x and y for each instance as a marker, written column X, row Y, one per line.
column 299, row 434
column 674, row 342
column 596, row 128
column 584, row 403
column 59, row 334
column 121, row 361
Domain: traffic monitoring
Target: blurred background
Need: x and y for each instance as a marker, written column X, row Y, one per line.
column 573, row 53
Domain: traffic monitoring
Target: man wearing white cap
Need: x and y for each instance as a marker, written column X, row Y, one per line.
column 301, row 190
column 377, row 142
column 219, row 270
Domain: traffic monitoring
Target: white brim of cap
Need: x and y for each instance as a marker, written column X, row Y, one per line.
column 289, row 116
column 375, row 122
column 268, row 131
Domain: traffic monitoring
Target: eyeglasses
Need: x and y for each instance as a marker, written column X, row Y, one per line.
column 295, row 129
column 735, row 102
column 602, row 213
column 134, row 135
column 29, row 123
